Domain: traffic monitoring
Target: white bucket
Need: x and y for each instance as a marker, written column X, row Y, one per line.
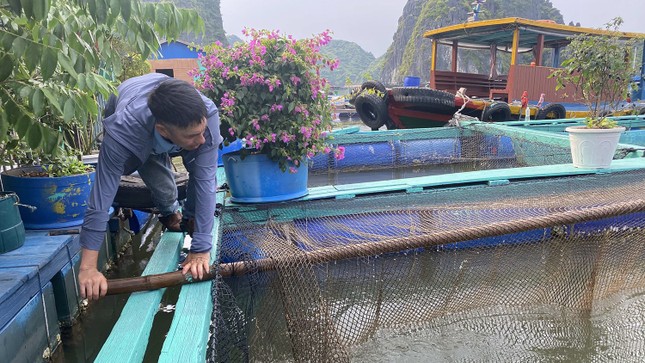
column 593, row 148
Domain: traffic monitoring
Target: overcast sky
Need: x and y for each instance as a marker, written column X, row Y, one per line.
column 372, row 23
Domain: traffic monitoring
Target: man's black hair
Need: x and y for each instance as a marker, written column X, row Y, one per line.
column 177, row 103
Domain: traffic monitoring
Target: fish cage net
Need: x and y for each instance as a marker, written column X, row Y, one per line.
column 539, row 270
column 397, row 154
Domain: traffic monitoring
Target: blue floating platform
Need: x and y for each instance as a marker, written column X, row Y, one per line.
column 27, row 302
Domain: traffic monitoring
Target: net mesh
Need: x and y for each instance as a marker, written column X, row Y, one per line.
column 539, row 270
column 410, row 153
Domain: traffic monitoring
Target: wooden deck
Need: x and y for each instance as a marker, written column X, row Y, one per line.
column 39, row 293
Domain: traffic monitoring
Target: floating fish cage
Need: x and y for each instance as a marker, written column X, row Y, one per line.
column 512, row 255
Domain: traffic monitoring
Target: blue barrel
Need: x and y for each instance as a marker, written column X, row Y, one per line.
column 499, row 147
column 258, row 179
column 410, row 81
column 429, row 151
column 12, row 231
column 60, row 202
column 364, row 155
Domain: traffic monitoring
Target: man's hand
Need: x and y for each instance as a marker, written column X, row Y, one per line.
column 92, row 283
column 197, row 264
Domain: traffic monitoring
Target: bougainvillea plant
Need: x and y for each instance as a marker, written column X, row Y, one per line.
column 270, row 94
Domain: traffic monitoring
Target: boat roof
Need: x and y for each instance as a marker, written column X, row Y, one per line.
column 482, row 34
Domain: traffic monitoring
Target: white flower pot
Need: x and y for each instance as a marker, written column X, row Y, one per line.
column 593, row 148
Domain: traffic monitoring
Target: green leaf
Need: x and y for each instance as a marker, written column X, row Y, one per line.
column 41, row 8
column 53, row 100
column 115, row 8
column 48, row 62
column 38, row 102
column 81, row 81
column 28, row 7
column 51, row 140
column 7, row 41
column 101, row 11
column 22, row 125
column 125, row 9
column 6, row 66
column 68, row 110
column 15, row 6
column 32, row 56
column 25, row 92
column 35, row 136
column 91, row 84
column 13, row 111
column 59, row 31
column 66, row 63
column 79, row 66
column 4, row 125
column 19, row 46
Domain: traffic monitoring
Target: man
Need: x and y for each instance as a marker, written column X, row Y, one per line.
column 155, row 115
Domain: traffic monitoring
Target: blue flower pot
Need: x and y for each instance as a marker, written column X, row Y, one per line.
column 60, row 202
column 234, row 146
column 258, row 179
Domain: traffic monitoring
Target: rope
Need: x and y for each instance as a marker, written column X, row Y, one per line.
column 458, row 116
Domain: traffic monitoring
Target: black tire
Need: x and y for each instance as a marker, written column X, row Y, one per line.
column 376, row 85
column 552, row 111
column 426, row 99
column 372, row 109
column 133, row 192
column 390, row 125
column 499, row 111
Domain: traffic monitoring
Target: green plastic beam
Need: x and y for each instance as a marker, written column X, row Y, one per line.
column 187, row 339
column 129, row 337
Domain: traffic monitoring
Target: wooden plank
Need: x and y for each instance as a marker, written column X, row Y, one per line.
column 129, row 337
column 187, row 339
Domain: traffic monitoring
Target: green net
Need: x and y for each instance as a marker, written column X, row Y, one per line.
column 538, row 270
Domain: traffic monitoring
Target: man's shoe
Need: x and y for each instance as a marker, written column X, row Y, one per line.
column 172, row 222
column 188, row 225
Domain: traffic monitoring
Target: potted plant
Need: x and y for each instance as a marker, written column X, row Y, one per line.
column 56, row 60
column 270, row 95
column 599, row 70
column 57, row 190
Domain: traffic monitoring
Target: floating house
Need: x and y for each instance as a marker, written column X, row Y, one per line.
column 175, row 59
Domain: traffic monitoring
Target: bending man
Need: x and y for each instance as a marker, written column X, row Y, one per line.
column 155, row 115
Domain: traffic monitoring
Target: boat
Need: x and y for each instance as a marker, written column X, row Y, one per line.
column 524, row 91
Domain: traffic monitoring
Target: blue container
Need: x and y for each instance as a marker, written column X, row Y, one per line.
column 499, row 146
column 410, row 81
column 362, row 155
column 234, row 146
column 60, row 202
column 258, row 179
column 12, row 231
column 429, row 151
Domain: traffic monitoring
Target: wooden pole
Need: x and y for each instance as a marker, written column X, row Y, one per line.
column 151, row 282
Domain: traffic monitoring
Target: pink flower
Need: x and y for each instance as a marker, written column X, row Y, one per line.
column 340, row 153
column 269, row 89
